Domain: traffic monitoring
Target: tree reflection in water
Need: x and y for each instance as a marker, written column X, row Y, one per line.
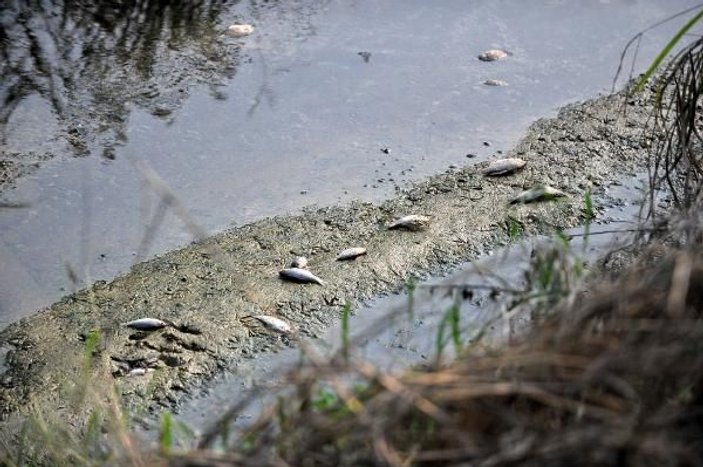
column 93, row 60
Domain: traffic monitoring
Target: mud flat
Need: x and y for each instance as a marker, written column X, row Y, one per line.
column 210, row 289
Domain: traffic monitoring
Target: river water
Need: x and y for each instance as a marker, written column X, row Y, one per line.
column 324, row 103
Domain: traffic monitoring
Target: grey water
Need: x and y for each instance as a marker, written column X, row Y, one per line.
column 297, row 114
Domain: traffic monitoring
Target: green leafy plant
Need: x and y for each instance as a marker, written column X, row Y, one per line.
column 588, row 207
column 166, row 434
column 346, row 312
column 666, row 51
column 514, row 228
column 450, row 323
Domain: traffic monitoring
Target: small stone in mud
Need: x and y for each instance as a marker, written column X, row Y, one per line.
column 495, row 82
column 470, row 156
column 504, row 167
column 351, row 253
column 412, row 222
column 189, row 328
column 300, row 262
column 172, row 360
column 538, row 193
column 162, row 110
column 299, row 275
column 486, row 143
column 274, row 324
column 385, row 150
column 146, row 324
column 492, row 55
column 240, row 30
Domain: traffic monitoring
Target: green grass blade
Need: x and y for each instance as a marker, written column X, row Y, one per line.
column 166, row 434
column 667, row 50
column 346, row 311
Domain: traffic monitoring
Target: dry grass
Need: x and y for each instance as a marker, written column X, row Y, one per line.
column 615, row 380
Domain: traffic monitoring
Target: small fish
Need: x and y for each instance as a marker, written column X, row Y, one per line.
column 240, row 30
column 495, row 82
column 538, row 193
column 147, row 324
column 351, row 253
column 492, row 55
column 412, row 222
column 504, row 167
column 299, row 275
column 274, row 324
column 300, row 262
column 138, row 371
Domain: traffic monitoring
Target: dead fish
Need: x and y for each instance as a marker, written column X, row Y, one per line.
column 147, row 324
column 351, row 253
column 299, row 275
column 412, row 222
column 492, row 55
column 138, row 371
column 274, row 324
column 504, row 167
column 300, row 262
column 240, row 30
column 495, row 82
column 538, row 193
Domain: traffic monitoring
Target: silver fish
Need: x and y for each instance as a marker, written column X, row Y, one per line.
column 411, row 222
column 538, row 193
column 504, row 166
column 351, row 253
column 274, row 324
column 138, row 371
column 492, row 55
column 300, row 262
column 147, row 324
column 240, row 30
column 299, row 275
column 495, row 82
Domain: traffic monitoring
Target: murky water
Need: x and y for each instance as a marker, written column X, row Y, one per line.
column 290, row 116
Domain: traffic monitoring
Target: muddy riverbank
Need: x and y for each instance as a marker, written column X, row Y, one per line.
column 210, row 289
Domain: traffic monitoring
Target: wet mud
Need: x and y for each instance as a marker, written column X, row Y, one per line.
column 211, row 289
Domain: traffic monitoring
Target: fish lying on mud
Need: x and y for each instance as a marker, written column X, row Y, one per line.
column 351, row 253
column 274, row 324
column 504, row 167
column 147, row 324
column 299, row 275
column 538, row 193
column 412, row 222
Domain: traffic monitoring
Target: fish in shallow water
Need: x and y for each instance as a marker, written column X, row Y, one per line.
column 492, row 55
column 300, row 262
column 147, row 324
column 240, row 30
column 299, row 275
column 411, row 222
column 351, row 253
column 538, row 193
column 274, row 324
column 495, row 82
column 504, row 167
